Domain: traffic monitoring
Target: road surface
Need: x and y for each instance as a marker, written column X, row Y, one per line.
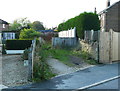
column 76, row 80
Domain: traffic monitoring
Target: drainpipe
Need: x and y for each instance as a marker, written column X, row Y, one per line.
column 98, row 46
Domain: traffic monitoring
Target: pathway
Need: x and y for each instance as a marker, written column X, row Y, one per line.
column 59, row 68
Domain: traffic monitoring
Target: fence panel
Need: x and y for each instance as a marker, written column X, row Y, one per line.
column 68, row 33
column 57, row 41
column 91, row 35
column 109, row 47
column 104, row 47
column 115, row 46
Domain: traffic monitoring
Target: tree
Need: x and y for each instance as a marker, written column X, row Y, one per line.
column 29, row 34
column 37, row 25
column 82, row 22
column 19, row 24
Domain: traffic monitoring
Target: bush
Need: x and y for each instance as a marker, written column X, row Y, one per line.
column 29, row 34
column 41, row 70
column 25, row 54
column 18, row 44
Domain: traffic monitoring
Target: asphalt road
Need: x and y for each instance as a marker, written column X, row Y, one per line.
column 114, row 84
column 77, row 79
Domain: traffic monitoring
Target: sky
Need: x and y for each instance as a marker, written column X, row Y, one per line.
column 50, row 12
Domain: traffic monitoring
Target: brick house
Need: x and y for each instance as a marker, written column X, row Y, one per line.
column 3, row 25
column 110, row 17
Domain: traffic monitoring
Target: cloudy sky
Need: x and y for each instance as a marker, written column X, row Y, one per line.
column 50, row 12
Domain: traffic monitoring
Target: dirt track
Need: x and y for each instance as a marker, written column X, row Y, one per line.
column 14, row 72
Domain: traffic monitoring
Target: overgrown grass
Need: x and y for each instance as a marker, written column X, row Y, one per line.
column 86, row 56
column 62, row 55
column 41, row 68
column 57, row 53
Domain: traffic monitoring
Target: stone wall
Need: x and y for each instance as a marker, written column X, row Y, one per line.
column 91, row 48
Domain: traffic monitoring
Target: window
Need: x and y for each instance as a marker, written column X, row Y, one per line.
column 3, row 25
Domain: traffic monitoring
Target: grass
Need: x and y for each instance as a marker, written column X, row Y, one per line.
column 86, row 56
column 57, row 53
column 62, row 54
column 42, row 70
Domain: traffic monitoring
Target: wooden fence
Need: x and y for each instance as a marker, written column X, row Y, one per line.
column 57, row 41
column 91, row 35
column 31, row 59
column 68, row 33
column 109, row 44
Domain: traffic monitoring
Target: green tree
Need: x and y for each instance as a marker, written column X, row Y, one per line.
column 19, row 24
column 29, row 34
column 37, row 25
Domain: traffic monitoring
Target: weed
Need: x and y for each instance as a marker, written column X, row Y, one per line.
column 41, row 68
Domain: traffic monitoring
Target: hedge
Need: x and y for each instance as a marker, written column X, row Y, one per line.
column 84, row 21
column 18, row 44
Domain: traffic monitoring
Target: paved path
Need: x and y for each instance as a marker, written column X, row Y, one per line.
column 77, row 79
column 59, row 68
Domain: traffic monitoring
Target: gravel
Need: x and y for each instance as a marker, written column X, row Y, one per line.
column 14, row 73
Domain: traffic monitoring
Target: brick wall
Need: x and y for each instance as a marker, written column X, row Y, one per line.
column 112, row 18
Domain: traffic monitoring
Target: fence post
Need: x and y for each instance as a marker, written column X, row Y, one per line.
column 98, row 41
column 30, row 64
column 110, row 51
column 31, row 58
column 92, row 32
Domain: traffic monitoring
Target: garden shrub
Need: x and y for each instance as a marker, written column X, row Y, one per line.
column 25, row 54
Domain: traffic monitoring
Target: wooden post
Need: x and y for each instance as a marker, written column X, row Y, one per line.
column 33, row 52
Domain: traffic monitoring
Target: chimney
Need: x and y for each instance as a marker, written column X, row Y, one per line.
column 108, row 3
column 95, row 11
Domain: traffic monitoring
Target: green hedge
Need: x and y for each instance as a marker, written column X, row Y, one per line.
column 18, row 44
column 82, row 22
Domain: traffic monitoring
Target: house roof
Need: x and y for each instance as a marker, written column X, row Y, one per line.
column 105, row 10
column 3, row 22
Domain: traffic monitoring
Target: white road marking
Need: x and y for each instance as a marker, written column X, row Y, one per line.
column 2, row 87
column 98, row 83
